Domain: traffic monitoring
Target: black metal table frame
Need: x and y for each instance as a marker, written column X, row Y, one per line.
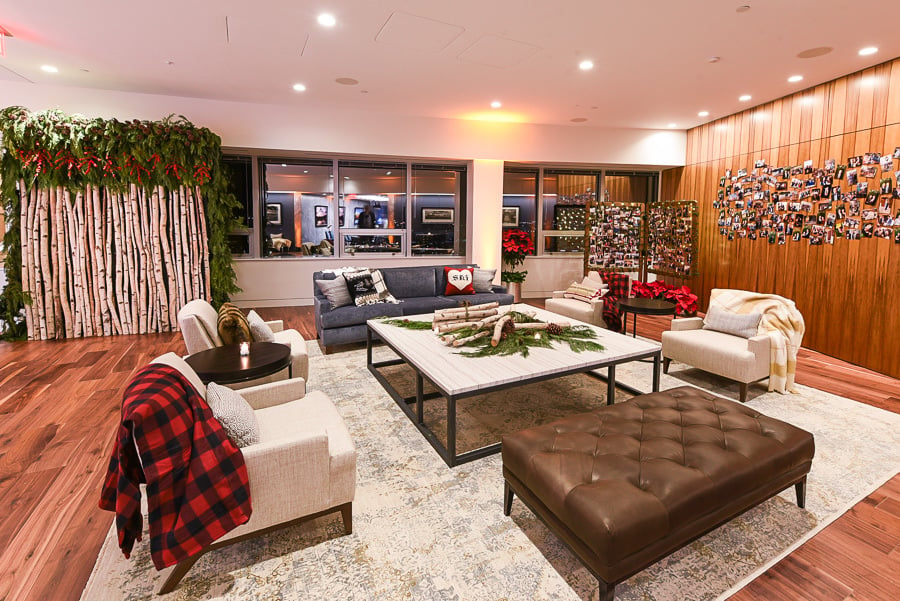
column 448, row 452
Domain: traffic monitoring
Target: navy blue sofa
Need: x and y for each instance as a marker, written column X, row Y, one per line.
column 420, row 290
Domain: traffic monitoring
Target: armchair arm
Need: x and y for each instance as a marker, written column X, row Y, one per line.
column 688, row 323
column 276, row 325
column 760, row 345
column 558, row 293
column 274, row 393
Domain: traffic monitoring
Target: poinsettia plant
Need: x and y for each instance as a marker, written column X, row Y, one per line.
column 517, row 244
column 685, row 300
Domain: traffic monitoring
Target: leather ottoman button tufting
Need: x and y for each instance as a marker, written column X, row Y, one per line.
column 628, row 484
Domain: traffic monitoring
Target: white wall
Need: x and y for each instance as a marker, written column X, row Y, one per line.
column 241, row 125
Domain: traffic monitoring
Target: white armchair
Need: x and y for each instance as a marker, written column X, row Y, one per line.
column 199, row 327
column 303, row 467
column 734, row 357
column 586, row 310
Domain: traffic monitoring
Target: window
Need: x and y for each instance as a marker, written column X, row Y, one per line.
column 319, row 206
column 438, row 210
column 373, row 204
column 297, row 213
column 565, row 199
column 520, row 192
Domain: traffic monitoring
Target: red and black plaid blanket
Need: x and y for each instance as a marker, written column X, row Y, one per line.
column 618, row 289
column 197, row 485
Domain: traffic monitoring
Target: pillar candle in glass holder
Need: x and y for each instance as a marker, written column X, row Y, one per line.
column 245, row 349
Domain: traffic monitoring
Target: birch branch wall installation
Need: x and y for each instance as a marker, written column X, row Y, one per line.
column 113, row 226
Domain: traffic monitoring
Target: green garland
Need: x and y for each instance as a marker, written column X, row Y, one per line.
column 579, row 338
column 50, row 149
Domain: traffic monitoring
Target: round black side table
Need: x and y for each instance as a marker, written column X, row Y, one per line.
column 643, row 306
column 225, row 365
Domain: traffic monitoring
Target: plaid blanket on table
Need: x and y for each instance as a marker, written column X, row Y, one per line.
column 197, row 485
column 780, row 320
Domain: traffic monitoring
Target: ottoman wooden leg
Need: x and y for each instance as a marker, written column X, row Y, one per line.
column 800, row 489
column 507, row 498
column 607, row 591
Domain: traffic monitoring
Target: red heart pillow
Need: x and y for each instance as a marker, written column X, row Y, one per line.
column 460, row 280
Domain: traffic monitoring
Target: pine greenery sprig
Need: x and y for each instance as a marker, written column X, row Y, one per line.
column 408, row 324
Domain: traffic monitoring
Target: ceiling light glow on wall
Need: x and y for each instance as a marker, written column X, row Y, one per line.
column 299, row 87
column 868, row 50
column 327, row 20
column 795, row 78
column 49, row 69
column 672, row 125
column 586, row 65
column 496, row 104
column 703, row 114
column 745, row 97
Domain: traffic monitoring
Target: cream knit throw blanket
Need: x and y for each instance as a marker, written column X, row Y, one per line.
column 780, row 320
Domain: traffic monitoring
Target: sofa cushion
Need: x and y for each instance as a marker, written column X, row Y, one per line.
column 353, row 315
column 407, row 282
column 420, row 305
column 720, row 320
column 484, row 279
column 459, row 281
column 335, row 290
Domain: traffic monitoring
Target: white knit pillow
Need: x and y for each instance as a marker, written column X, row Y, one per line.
column 259, row 329
column 234, row 413
column 720, row 320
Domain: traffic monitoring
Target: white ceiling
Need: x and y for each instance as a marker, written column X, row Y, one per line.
column 451, row 58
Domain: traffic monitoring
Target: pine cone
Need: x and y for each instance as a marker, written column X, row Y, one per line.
column 554, row 329
column 508, row 327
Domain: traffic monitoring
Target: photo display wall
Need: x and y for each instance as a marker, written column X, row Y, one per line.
column 859, row 199
column 672, row 237
column 616, row 236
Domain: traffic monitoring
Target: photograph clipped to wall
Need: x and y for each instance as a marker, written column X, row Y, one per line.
column 672, row 237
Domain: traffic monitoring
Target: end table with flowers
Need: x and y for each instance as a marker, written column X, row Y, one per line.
column 517, row 244
column 685, row 300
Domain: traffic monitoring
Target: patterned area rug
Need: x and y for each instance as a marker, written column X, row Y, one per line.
column 425, row 531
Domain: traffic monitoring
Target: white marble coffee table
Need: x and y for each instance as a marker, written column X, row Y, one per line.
column 456, row 376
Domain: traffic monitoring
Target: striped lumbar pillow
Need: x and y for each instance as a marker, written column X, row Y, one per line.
column 232, row 325
column 582, row 292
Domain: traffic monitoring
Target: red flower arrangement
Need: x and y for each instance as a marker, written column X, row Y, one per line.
column 685, row 300
column 517, row 244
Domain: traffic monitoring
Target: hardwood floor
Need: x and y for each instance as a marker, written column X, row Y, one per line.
column 59, row 405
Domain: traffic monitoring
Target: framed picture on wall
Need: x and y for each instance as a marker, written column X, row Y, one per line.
column 436, row 215
column 341, row 216
column 273, row 213
column 321, row 215
column 510, row 217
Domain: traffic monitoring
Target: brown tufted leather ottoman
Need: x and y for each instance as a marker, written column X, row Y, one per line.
column 628, row 484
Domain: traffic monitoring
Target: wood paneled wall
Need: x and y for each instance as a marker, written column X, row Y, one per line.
column 849, row 292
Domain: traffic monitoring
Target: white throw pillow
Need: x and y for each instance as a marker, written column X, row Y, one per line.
column 259, row 329
column 234, row 413
column 720, row 320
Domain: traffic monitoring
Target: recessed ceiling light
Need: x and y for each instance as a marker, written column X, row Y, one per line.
column 672, row 125
column 327, row 20
column 703, row 114
column 745, row 97
column 306, row 171
column 49, row 69
column 795, row 78
column 284, row 164
column 387, row 172
column 815, row 52
column 713, row 59
column 346, row 177
column 868, row 50
column 299, row 87
column 496, row 104
column 346, row 81
column 586, row 65
column 743, row 8
column 578, row 119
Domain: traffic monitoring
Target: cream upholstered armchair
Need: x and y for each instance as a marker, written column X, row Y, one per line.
column 199, row 327
column 303, row 467
column 746, row 336
column 577, row 302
